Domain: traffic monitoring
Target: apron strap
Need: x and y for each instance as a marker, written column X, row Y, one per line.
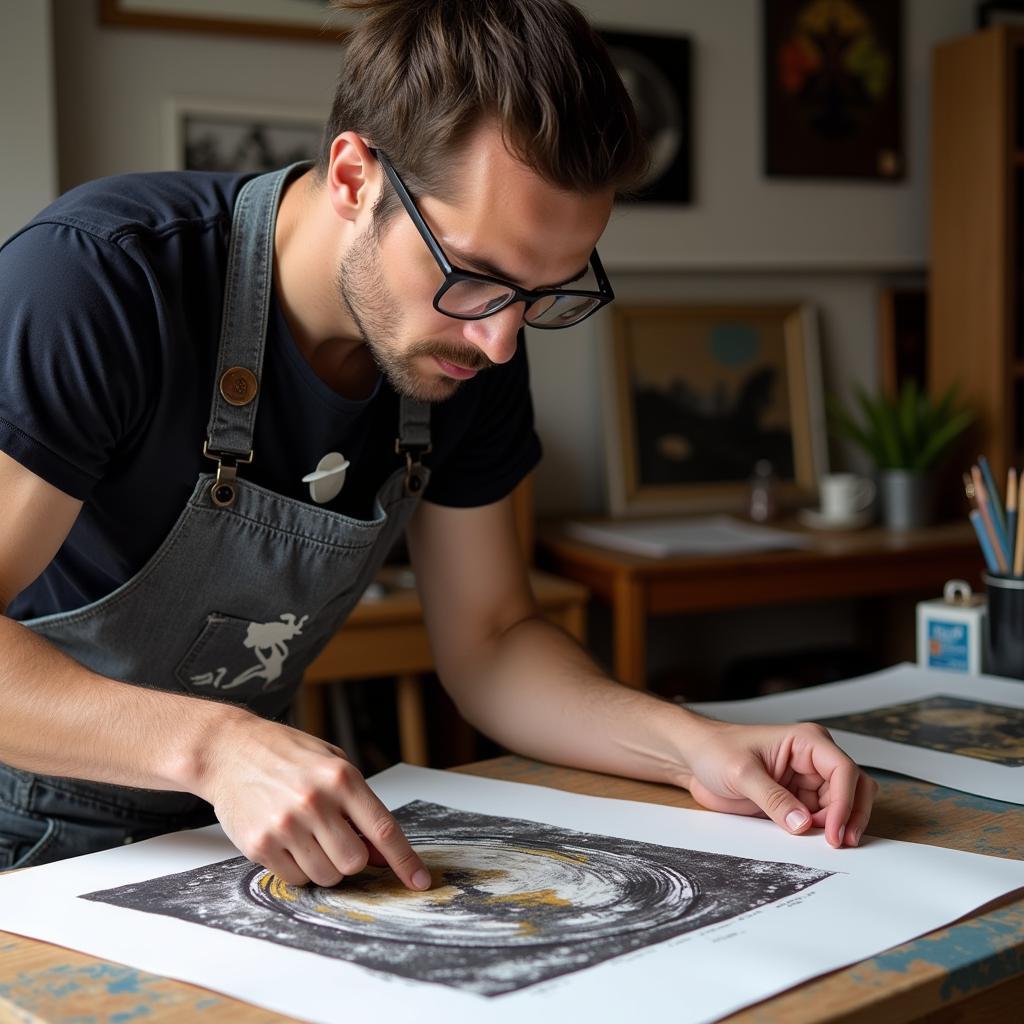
column 248, row 282
column 413, row 440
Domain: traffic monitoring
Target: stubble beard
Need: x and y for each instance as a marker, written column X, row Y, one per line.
column 364, row 293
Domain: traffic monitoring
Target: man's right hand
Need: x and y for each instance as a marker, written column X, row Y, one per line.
column 299, row 807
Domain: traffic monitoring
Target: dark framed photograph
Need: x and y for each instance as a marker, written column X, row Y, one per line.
column 287, row 19
column 656, row 72
column 697, row 395
column 833, row 74
column 215, row 135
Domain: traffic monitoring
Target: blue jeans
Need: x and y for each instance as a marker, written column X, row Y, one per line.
column 44, row 819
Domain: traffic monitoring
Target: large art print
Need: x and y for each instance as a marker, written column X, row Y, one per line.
column 513, row 902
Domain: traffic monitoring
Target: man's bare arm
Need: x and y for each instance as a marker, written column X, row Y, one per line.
column 287, row 800
column 529, row 686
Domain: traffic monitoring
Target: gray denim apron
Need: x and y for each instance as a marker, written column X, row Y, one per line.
column 241, row 595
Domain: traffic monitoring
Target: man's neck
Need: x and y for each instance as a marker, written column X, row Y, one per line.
column 305, row 262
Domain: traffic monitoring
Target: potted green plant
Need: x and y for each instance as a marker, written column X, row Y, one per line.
column 907, row 437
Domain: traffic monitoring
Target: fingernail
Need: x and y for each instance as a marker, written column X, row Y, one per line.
column 795, row 820
column 854, row 836
column 842, row 830
column 421, row 879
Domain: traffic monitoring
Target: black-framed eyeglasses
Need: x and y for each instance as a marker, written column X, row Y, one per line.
column 466, row 295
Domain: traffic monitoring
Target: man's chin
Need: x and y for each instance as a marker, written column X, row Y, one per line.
column 431, row 389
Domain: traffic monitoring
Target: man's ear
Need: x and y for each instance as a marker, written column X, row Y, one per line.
column 354, row 177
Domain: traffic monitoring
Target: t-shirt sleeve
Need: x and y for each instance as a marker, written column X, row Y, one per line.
column 498, row 444
column 73, row 307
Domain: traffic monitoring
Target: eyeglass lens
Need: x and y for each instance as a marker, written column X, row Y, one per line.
column 481, row 298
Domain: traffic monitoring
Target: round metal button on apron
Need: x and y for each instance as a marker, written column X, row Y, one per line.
column 238, row 385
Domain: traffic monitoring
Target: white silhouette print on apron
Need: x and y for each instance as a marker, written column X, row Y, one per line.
column 270, row 641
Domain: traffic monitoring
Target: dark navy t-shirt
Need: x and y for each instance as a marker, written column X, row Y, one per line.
column 110, row 311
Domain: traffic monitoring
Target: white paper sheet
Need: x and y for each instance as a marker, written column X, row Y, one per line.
column 706, row 535
column 850, row 904
column 980, row 716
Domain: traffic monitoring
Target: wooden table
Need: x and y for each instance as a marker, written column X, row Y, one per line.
column 872, row 562
column 971, row 971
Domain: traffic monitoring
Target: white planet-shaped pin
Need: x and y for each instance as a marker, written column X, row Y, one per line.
column 327, row 480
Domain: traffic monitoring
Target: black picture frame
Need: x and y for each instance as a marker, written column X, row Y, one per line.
column 656, row 70
column 999, row 12
column 833, row 89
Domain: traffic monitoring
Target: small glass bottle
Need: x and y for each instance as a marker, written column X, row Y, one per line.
column 764, row 500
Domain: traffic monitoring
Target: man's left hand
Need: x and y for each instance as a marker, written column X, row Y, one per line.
column 794, row 774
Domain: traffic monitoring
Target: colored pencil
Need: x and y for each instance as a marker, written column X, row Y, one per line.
column 981, row 497
column 1011, row 516
column 986, row 544
column 994, row 498
column 1018, row 555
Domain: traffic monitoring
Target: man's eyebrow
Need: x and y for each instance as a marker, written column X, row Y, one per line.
column 486, row 267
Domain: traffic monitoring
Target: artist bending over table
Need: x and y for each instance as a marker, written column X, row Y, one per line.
column 167, row 567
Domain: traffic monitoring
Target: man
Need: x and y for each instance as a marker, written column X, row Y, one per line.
column 363, row 316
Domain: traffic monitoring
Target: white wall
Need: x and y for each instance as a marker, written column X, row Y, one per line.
column 744, row 238
column 28, row 155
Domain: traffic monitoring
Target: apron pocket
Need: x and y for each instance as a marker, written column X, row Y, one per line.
column 238, row 660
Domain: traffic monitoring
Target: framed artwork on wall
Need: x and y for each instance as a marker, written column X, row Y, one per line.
column 656, row 72
column 294, row 19
column 696, row 395
column 217, row 135
column 903, row 337
column 1000, row 12
column 833, row 87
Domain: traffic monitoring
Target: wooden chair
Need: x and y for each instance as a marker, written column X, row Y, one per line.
column 386, row 637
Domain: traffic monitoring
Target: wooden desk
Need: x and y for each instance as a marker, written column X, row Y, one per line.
column 971, row 971
column 386, row 636
column 872, row 562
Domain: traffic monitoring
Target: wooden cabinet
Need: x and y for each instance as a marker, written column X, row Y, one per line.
column 977, row 234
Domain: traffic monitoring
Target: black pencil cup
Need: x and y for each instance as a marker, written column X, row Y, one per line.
column 1004, row 638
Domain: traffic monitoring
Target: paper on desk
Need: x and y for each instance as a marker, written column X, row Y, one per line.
column 965, row 732
column 527, row 922
column 706, row 535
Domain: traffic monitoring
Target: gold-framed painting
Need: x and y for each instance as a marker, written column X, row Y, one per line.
column 697, row 395
column 288, row 19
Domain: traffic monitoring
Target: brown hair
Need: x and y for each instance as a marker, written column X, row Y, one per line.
column 418, row 76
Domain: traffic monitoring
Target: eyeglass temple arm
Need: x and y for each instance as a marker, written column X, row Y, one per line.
column 602, row 278
column 410, row 208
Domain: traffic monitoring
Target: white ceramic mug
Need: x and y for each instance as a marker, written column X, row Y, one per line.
column 843, row 495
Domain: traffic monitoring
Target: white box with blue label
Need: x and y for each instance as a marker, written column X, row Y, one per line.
column 951, row 630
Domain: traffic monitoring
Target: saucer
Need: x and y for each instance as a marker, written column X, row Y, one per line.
column 816, row 521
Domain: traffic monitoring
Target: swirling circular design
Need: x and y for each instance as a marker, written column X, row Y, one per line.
column 490, row 891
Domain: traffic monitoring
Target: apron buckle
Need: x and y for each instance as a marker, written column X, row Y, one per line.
column 413, row 455
column 224, row 491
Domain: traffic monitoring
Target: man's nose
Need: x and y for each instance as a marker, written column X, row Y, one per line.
column 496, row 335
